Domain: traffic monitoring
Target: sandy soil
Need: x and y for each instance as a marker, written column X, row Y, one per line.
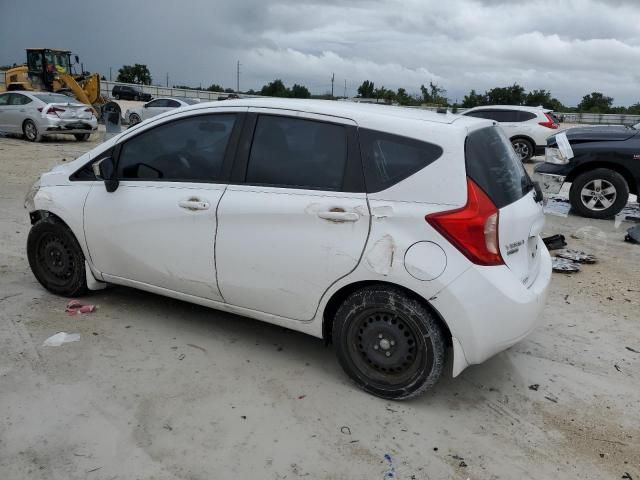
column 162, row 389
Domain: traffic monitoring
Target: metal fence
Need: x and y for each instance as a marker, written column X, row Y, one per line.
column 106, row 87
column 157, row 91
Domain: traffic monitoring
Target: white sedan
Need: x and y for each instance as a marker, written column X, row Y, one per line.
column 156, row 107
column 37, row 114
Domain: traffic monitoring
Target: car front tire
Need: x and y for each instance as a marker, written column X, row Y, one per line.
column 524, row 149
column 55, row 258
column 82, row 137
column 116, row 96
column 599, row 193
column 134, row 119
column 30, row 131
column 389, row 343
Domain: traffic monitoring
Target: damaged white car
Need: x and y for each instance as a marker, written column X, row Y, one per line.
column 392, row 233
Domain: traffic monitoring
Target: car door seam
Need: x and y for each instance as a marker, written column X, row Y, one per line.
column 215, row 245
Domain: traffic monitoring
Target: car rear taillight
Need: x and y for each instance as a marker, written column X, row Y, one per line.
column 472, row 229
column 550, row 123
column 52, row 110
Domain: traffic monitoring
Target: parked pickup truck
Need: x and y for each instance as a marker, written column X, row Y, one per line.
column 602, row 164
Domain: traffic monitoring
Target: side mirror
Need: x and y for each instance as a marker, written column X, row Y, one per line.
column 105, row 170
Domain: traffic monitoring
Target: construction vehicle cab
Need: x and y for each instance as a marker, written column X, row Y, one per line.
column 43, row 64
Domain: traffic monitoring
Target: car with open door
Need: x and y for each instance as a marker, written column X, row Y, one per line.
column 602, row 164
column 393, row 233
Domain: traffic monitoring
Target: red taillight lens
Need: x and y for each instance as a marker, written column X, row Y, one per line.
column 472, row 229
column 550, row 123
column 52, row 110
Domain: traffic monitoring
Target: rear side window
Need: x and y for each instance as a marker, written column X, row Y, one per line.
column 297, row 153
column 389, row 159
column 494, row 166
column 189, row 150
column 526, row 116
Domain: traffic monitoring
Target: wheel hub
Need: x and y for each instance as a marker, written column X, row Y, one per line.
column 56, row 258
column 598, row 195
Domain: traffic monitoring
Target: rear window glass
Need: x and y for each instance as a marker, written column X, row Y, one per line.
column 525, row 116
column 191, row 101
column 494, row 166
column 389, row 159
column 54, row 98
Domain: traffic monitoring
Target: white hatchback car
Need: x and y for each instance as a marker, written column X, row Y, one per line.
column 527, row 127
column 391, row 232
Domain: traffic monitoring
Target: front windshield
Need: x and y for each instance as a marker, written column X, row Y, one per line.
column 57, row 62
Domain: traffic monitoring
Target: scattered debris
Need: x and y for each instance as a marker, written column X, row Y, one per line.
column 563, row 265
column 94, row 469
column 551, row 398
column 633, row 235
column 301, row 397
column 555, row 242
column 197, row 347
column 632, row 350
column 74, row 307
column 279, row 349
column 435, row 449
column 166, row 426
column 391, row 410
column 457, row 457
column 617, row 367
column 181, row 356
column 391, row 470
column 346, row 430
column 534, row 387
column 462, row 464
column 244, row 417
column 576, row 256
column 60, row 338
column 627, row 476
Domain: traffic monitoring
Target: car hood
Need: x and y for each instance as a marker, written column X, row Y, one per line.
column 597, row 134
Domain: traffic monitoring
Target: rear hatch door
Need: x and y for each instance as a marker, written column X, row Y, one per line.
column 494, row 166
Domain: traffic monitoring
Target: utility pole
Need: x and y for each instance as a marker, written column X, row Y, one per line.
column 238, row 78
column 345, row 88
column 109, row 73
column 333, row 77
column 167, row 79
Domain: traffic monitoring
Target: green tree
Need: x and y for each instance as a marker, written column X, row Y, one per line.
column 434, row 95
column 229, row 90
column 513, row 95
column 595, row 102
column 275, row 89
column 137, row 73
column 402, row 97
column 536, row 98
column 214, row 87
column 366, row 89
column 474, row 99
column 634, row 109
column 300, row 91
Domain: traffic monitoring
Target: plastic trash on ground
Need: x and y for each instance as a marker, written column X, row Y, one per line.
column 60, row 338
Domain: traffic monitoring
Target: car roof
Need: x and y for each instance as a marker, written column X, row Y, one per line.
column 510, row 107
column 358, row 112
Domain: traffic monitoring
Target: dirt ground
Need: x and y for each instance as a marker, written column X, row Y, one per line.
column 161, row 389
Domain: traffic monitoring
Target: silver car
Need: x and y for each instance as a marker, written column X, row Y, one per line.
column 36, row 114
column 156, row 107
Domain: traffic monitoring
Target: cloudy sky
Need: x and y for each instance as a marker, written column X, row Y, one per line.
column 570, row 47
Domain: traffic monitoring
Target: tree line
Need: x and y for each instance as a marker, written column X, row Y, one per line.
column 432, row 94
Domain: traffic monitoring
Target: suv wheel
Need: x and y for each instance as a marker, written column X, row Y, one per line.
column 137, row 98
column 599, row 193
column 389, row 343
column 82, row 137
column 524, row 149
column 117, row 96
column 56, row 259
column 134, row 119
column 31, row 131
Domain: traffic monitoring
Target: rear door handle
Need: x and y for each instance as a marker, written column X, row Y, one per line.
column 338, row 216
column 194, row 204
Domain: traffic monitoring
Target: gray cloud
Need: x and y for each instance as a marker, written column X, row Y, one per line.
column 571, row 47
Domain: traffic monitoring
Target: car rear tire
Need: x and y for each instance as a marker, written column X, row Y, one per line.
column 56, row 259
column 116, row 96
column 82, row 137
column 524, row 148
column 599, row 193
column 134, row 119
column 30, row 131
column 137, row 98
column 389, row 343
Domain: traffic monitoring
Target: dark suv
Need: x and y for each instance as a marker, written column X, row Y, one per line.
column 127, row 92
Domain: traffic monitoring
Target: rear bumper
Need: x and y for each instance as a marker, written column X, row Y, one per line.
column 488, row 310
column 68, row 126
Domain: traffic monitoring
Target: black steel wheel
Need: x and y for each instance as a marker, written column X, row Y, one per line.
column 82, row 137
column 55, row 258
column 389, row 343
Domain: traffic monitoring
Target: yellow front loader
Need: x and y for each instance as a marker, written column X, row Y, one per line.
column 50, row 70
